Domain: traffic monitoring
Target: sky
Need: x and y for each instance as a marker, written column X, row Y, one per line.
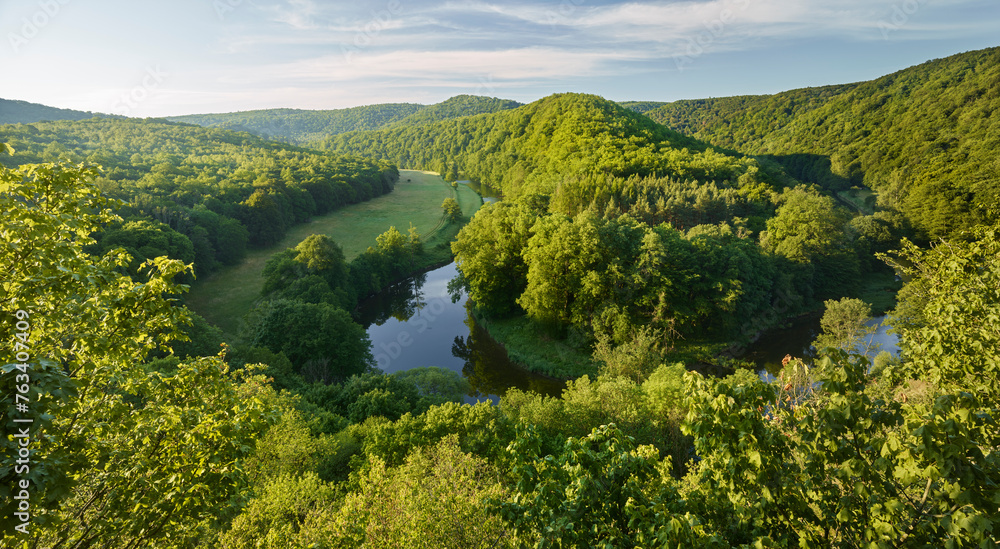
column 171, row 57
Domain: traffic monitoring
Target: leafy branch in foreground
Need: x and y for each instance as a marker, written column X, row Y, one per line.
column 122, row 454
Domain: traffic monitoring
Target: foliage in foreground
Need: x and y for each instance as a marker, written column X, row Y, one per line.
column 120, row 454
column 185, row 454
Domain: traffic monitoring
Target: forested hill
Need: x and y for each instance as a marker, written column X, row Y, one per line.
column 456, row 107
column 23, row 112
column 199, row 194
column 925, row 138
column 564, row 143
column 642, row 106
column 741, row 121
column 304, row 126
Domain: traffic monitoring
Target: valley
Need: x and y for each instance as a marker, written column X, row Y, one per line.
column 305, row 328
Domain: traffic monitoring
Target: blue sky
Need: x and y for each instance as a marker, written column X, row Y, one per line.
column 159, row 58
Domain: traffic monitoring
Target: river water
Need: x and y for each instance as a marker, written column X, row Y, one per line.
column 416, row 323
column 768, row 351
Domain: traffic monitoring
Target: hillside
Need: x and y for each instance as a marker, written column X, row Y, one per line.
column 456, row 107
column 304, row 126
column 23, row 112
column 924, row 138
column 642, row 107
column 536, row 148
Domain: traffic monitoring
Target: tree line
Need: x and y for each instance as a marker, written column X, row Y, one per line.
column 923, row 138
column 199, row 195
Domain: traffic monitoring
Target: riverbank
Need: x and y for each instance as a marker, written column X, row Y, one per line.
column 530, row 346
column 226, row 296
column 536, row 351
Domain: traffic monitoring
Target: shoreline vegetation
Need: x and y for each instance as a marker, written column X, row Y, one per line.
column 225, row 296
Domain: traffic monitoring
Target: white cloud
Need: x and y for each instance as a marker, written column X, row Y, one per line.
column 444, row 66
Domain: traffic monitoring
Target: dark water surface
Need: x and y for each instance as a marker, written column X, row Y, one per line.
column 768, row 351
column 415, row 323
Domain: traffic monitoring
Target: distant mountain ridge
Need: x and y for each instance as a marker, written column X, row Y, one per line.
column 13, row 111
column 306, row 126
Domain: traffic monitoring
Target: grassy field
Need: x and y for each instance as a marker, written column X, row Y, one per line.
column 224, row 297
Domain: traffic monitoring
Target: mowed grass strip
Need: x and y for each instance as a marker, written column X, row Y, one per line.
column 225, row 296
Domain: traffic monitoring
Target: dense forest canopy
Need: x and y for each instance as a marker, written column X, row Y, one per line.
column 924, row 138
column 199, row 194
column 556, row 141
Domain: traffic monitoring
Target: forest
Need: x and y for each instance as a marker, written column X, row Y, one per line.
column 923, row 138
column 643, row 246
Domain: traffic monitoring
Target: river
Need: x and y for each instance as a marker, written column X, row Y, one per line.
column 768, row 351
column 416, row 323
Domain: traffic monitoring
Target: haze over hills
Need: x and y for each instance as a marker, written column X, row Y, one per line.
column 23, row 112
column 304, row 126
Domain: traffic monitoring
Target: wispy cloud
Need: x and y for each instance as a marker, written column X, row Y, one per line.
column 327, row 54
column 446, row 67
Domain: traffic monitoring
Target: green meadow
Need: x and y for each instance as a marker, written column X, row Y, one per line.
column 225, row 296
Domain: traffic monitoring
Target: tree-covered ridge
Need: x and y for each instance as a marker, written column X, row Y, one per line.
column 13, row 111
column 924, row 138
column 305, row 126
column 732, row 122
column 557, row 140
column 642, row 107
column 199, row 194
column 302, row 126
column 457, row 107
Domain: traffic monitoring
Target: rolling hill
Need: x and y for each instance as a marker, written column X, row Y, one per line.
column 305, row 126
column 557, row 143
column 22, row 112
column 925, row 138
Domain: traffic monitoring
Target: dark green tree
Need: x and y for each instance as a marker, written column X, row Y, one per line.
column 321, row 340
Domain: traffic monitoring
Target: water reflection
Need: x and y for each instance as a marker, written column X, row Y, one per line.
column 416, row 323
column 768, row 351
column 400, row 301
column 488, row 369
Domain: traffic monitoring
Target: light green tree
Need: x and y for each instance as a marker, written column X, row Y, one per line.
column 488, row 253
column 949, row 314
column 121, row 455
column 452, row 210
column 844, row 324
column 841, row 469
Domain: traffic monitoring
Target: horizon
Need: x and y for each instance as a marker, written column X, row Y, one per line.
column 222, row 56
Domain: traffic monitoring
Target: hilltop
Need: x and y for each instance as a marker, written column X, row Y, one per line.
column 555, row 142
column 22, row 112
column 924, row 138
